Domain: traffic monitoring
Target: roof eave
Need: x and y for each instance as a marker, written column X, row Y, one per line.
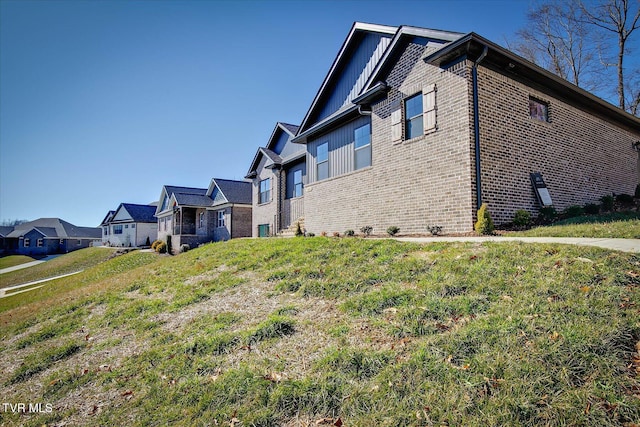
column 510, row 63
column 326, row 124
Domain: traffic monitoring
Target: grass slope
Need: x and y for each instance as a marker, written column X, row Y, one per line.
column 13, row 260
column 613, row 225
column 302, row 331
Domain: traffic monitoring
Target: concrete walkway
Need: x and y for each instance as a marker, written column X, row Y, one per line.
column 27, row 264
column 18, row 289
column 624, row 245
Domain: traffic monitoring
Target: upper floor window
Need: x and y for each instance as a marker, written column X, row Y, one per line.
column 297, row 183
column 538, row 110
column 362, row 137
column 117, row 229
column 413, row 116
column 265, row 191
column 322, row 161
column 220, row 218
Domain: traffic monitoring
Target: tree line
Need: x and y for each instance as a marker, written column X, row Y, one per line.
column 587, row 42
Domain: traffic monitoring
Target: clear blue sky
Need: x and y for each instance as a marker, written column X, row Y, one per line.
column 103, row 102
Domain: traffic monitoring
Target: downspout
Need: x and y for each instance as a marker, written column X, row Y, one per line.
column 476, row 125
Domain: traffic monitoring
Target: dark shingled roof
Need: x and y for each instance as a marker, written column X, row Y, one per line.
column 5, row 230
column 185, row 199
column 141, row 213
column 291, row 128
column 235, row 191
column 63, row 229
column 185, row 190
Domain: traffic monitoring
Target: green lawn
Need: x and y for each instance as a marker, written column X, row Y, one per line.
column 67, row 263
column 614, row 225
column 303, row 331
column 13, row 260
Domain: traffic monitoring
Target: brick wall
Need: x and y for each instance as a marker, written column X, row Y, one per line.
column 241, row 222
column 413, row 184
column 581, row 157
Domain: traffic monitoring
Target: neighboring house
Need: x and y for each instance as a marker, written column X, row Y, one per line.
column 47, row 236
column 278, row 172
column 130, row 225
column 199, row 215
column 415, row 127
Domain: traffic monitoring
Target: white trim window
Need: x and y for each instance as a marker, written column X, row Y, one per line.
column 322, row 161
column 117, row 229
column 201, row 220
column 297, row 183
column 362, row 146
column 221, row 221
column 265, row 191
column 27, row 242
column 40, row 243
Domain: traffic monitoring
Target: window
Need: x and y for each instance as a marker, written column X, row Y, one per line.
column 126, row 226
column 413, row 116
column 27, row 242
column 133, row 226
column 297, row 184
column 263, row 230
column 117, row 229
column 538, row 110
column 105, row 230
column 265, row 191
column 201, row 220
column 62, row 241
column 419, row 115
column 322, row 160
column 362, row 137
column 220, row 218
column 40, row 243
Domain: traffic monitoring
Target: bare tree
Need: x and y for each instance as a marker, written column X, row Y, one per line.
column 557, row 39
column 617, row 17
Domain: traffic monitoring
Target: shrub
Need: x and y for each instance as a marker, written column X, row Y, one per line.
column 547, row 214
column 484, row 225
column 184, row 248
column 624, row 200
column 155, row 244
column 349, row 233
column 366, row 230
column 323, row 234
column 607, row 203
column 299, row 232
column 311, row 234
column 591, row 209
column 637, row 193
column 521, row 218
column 148, row 242
column 161, row 247
column 393, row 230
column 336, row 234
column 434, row 229
column 573, row 211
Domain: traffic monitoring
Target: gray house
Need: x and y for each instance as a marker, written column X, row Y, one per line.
column 415, row 127
column 278, row 173
column 199, row 215
column 47, row 236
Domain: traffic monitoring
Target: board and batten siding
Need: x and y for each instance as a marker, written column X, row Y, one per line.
column 341, row 150
column 355, row 74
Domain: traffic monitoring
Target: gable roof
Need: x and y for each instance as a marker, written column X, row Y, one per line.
column 55, row 227
column 107, row 217
column 268, row 151
column 5, row 230
column 368, row 79
column 236, row 192
column 343, row 57
column 138, row 213
column 179, row 194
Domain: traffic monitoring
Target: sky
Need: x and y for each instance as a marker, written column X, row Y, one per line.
column 104, row 102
